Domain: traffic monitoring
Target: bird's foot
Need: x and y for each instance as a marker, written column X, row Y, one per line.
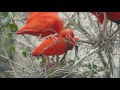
column 53, row 65
column 49, row 36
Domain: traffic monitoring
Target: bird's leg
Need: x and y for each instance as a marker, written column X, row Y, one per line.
column 52, row 59
column 51, row 35
column 48, row 65
column 43, row 58
column 54, row 38
column 51, row 63
column 57, row 61
column 40, row 38
column 67, row 47
column 57, row 58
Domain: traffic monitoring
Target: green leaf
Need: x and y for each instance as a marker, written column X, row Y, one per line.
column 95, row 66
column 13, row 49
column 13, row 27
column 89, row 66
column 38, row 58
column 94, row 72
column 27, row 49
column 10, row 35
column 24, row 54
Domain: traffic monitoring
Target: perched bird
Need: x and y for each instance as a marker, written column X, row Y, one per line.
column 56, row 47
column 42, row 24
column 112, row 16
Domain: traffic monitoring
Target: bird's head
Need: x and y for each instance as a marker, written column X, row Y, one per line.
column 67, row 33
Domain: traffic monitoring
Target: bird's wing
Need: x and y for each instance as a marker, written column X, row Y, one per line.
column 44, row 46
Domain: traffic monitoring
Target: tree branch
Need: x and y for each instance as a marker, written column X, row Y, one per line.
column 85, row 56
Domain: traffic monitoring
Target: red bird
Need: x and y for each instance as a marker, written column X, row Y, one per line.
column 42, row 24
column 56, row 47
column 112, row 16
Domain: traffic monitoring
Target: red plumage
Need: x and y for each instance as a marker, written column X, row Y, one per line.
column 112, row 16
column 58, row 46
column 42, row 23
column 52, row 47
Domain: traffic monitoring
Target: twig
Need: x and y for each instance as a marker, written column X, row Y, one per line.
column 53, row 73
column 10, row 62
column 102, row 60
column 112, row 65
column 19, row 41
column 28, row 40
column 34, row 66
column 92, row 23
column 83, row 31
column 67, row 23
column 83, row 41
column 90, row 53
column 67, row 47
column 76, row 53
column 15, row 62
column 115, row 33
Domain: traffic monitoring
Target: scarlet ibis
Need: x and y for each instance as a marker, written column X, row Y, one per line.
column 112, row 16
column 42, row 24
column 52, row 47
